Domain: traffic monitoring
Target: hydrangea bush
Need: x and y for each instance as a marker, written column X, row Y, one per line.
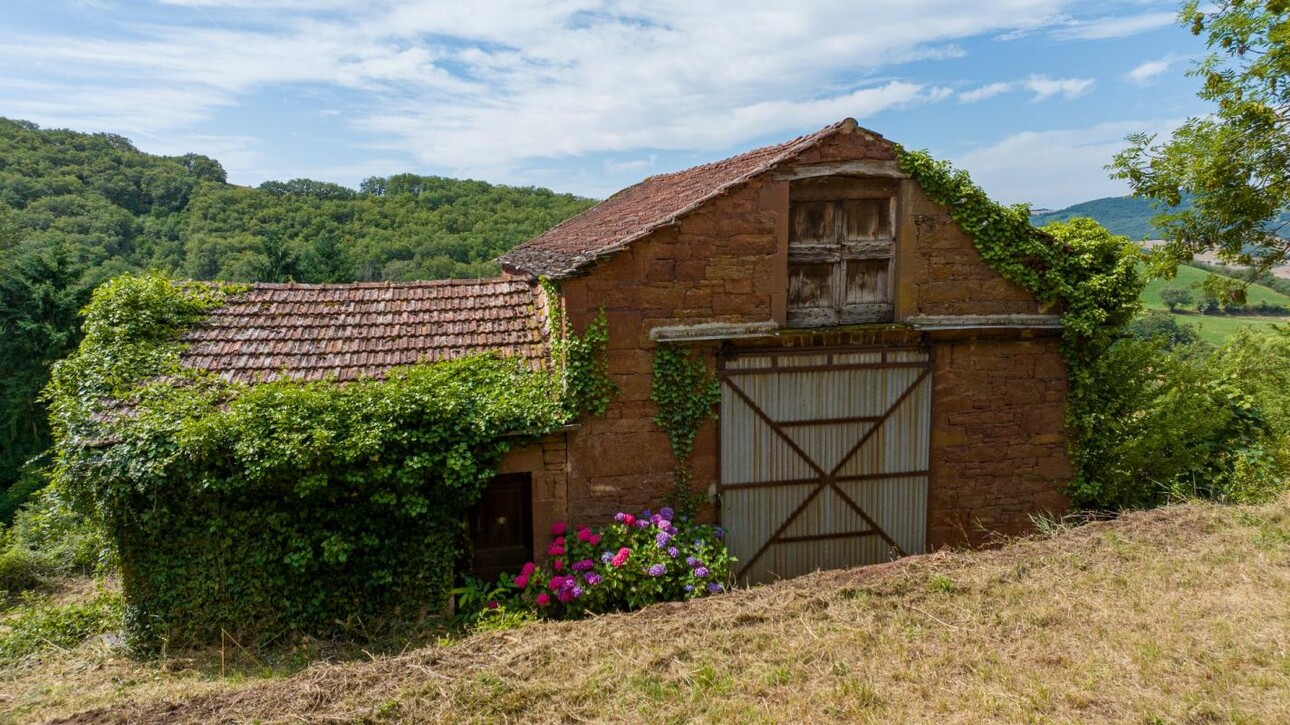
column 633, row 562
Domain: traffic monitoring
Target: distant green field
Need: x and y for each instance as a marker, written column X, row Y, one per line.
column 1214, row 329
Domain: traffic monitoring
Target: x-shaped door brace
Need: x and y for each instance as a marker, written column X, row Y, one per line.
column 826, row 479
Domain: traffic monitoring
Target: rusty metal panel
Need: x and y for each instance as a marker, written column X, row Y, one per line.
column 824, row 459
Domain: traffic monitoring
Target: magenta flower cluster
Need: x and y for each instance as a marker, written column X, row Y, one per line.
column 630, row 563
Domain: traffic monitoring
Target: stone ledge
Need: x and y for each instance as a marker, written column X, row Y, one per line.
column 975, row 322
column 712, row 331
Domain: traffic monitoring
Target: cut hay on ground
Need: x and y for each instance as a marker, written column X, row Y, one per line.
column 1176, row 615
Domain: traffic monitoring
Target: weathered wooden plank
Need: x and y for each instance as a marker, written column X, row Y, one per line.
column 813, row 317
column 879, row 249
column 868, row 281
column 857, row 167
column 812, row 285
column 866, row 219
column 814, row 221
column 814, row 253
column 865, row 314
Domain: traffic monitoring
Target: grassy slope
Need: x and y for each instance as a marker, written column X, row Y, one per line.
column 1213, row 328
column 1174, row 615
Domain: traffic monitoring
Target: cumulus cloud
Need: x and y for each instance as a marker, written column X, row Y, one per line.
column 1044, row 87
column 1149, row 70
column 1055, row 168
column 1041, row 86
column 485, row 89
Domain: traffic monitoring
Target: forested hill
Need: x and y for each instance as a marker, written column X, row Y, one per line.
column 77, row 208
column 1125, row 215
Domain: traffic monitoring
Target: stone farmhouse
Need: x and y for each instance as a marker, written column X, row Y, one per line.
column 884, row 391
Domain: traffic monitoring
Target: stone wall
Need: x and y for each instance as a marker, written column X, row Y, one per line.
column 998, row 437
column 998, row 431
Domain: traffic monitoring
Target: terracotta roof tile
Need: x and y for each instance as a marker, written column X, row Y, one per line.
column 655, row 202
column 346, row 331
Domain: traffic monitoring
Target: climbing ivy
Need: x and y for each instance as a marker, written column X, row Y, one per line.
column 287, row 505
column 1076, row 268
column 685, row 394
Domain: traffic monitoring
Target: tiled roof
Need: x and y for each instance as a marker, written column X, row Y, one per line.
column 346, row 331
column 638, row 210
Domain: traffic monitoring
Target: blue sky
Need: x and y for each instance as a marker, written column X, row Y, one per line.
column 589, row 96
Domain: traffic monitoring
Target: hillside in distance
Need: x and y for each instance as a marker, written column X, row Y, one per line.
column 1125, row 215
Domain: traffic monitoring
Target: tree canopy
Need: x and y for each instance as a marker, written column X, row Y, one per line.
column 1236, row 160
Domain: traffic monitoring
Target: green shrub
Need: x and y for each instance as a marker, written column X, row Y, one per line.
column 1175, row 296
column 1162, row 325
column 39, row 623
column 1186, row 422
column 48, row 540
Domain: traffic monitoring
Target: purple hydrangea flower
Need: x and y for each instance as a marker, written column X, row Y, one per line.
column 666, row 513
column 591, row 578
column 669, row 528
column 720, row 532
column 645, row 514
column 577, row 591
column 673, row 552
column 620, row 517
column 606, row 557
column 661, row 540
column 701, row 572
column 657, row 570
column 691, row 562
column 584, row 565
column 641, row 523
column 689, row 587
column 714, row 587
column 656, row 519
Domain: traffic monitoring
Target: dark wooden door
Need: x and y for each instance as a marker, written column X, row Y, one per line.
column 501, row 526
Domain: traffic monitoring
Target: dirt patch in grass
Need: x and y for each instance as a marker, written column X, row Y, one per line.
column 1175, row 615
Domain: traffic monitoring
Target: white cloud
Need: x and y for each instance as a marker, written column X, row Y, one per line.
column 1055, row 168
column 986, row 92
column 488, row 89
column 1115, row 26
column 1041, row 86
column 1044, row 87
column 1150, row 70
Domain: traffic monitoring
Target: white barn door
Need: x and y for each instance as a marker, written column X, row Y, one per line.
column 824, row 459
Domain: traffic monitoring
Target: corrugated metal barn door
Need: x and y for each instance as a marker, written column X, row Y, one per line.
column 824, row 459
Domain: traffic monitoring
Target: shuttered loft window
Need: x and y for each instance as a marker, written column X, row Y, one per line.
column 840, row 262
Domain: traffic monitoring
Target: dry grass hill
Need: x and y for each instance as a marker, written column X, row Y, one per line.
column 1177, row 615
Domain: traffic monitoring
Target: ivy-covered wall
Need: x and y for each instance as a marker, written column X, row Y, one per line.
column 284, row 506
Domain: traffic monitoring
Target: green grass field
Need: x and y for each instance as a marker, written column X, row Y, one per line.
column 1214, row 329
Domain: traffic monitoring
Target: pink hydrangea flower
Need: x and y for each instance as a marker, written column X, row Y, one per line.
column 522, row 581
column 543, row 599
column 528, row 569
column 559, row 528
column 558, row 565
column 556, row 548
column 594, row 540
column 584, row 534
column 621, row 557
